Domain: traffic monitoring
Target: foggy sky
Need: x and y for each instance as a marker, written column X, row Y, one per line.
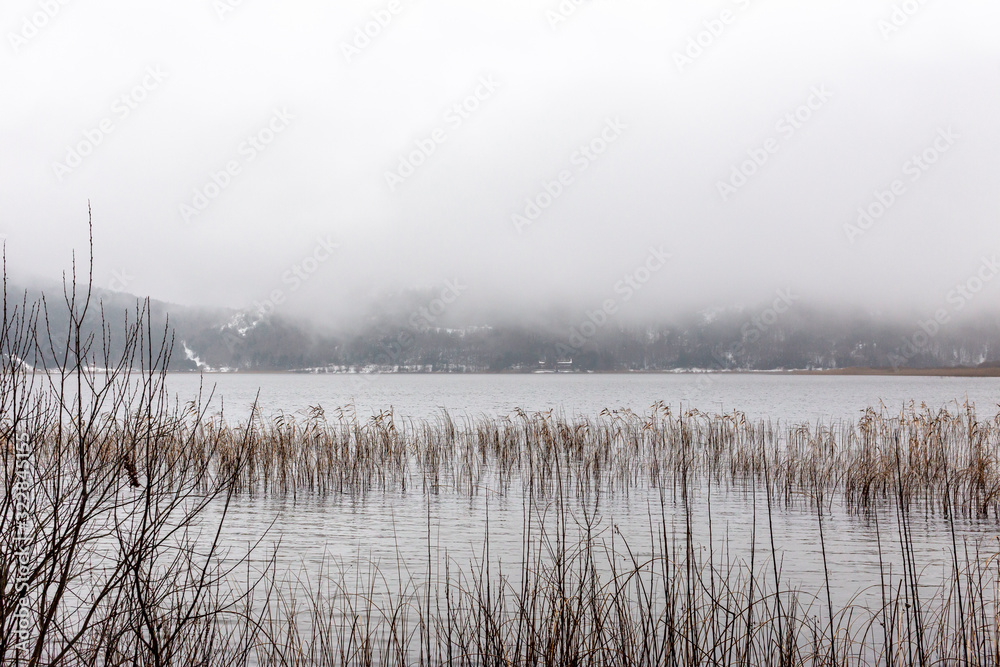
column 833, row 99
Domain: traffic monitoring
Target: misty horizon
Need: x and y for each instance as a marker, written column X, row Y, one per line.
column 844, row 151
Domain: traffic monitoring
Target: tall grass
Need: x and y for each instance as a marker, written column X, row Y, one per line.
column 945, row 459
column 934, row 458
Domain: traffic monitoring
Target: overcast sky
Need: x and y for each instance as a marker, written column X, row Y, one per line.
column 223, row 143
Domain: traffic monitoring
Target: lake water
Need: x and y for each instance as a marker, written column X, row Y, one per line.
column 786, row 397
column 395, row 529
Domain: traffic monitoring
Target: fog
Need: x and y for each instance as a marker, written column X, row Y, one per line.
column 542, row 156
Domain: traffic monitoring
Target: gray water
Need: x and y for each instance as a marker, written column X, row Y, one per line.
column 793, row 398
column 395, row 531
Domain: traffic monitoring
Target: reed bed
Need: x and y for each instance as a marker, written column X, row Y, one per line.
column 150, row 585
column 937, row 455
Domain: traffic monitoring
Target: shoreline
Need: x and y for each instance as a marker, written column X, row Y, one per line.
column 953, row 371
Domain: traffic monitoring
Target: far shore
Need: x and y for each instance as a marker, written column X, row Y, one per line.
column 955, row 371
column 952, row 371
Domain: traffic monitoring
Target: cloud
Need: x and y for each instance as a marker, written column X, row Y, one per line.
column 417, row 77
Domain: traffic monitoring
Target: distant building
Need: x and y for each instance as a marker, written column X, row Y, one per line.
column 554, row 367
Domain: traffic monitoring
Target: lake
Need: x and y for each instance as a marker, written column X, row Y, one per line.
column 789, row 398
column 396, row 530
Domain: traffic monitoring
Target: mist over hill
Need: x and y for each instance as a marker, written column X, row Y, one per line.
column 411, row 331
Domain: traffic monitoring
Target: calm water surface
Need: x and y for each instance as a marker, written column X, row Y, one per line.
column 784, row 397
column 394, row 530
